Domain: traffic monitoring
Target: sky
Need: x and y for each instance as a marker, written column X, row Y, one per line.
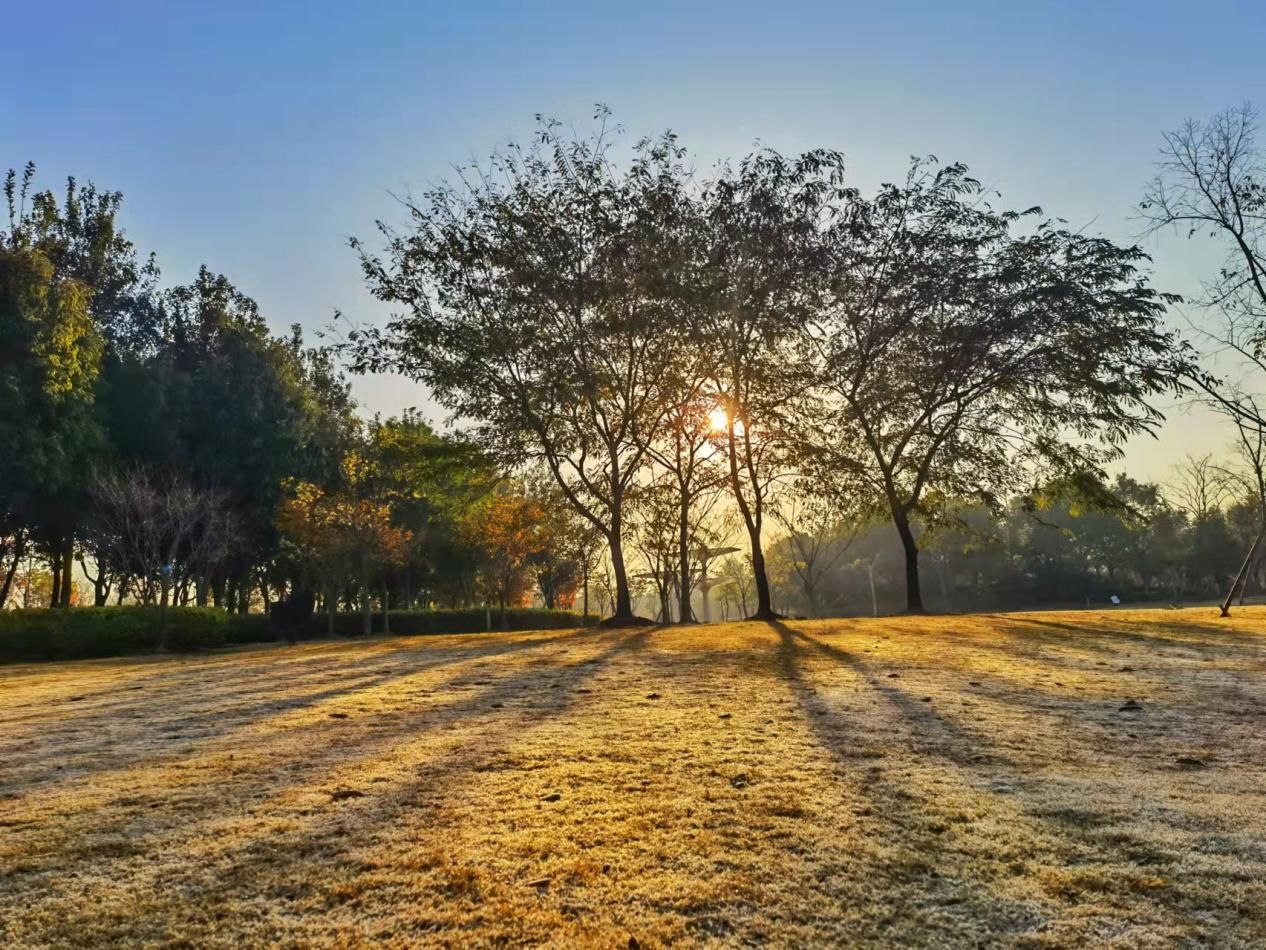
column 257, row 137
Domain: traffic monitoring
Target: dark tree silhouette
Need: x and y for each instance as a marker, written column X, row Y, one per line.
column 962, row 360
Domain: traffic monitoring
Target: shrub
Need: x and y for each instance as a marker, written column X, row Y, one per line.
column 475, row 620
column 78, row 633
column 86, row 632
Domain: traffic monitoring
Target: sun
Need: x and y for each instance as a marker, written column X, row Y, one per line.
column 719, row 419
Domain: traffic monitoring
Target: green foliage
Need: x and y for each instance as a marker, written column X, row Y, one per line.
column 91, row 632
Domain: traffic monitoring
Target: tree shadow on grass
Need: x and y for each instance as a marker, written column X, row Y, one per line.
column 248, row 792
column 208, row 708
column 1155, row 633
column 934, row 892
column 1079, row 829
column 261, row 860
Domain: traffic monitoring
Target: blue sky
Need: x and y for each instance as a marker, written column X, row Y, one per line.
column 256, row 137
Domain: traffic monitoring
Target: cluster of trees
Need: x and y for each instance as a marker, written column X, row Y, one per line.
column 648, row 363
column 654, row 339
column 163, row 444
column 1171, row 543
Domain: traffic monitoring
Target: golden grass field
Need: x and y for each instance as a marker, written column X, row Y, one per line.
column 953, row 781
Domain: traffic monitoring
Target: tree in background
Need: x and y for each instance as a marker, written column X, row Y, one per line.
column 432, row 483
column 1211, row 183
column 158, row 532
column 344, row 535
column 817, row 538
column 50, row 362
column 506, row 528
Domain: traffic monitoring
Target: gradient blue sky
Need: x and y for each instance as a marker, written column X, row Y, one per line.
column 256, row 137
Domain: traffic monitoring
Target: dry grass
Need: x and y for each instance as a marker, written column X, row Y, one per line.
column 961, row 781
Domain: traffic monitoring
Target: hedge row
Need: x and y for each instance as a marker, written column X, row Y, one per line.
column 411, row 623
column 89, row 632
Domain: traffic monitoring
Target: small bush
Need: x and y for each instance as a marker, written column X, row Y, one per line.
column 79, row 633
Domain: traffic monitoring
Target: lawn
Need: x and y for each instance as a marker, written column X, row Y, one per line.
column 1043, row 779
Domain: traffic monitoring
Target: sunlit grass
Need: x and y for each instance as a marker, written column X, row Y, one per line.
column 943, row 781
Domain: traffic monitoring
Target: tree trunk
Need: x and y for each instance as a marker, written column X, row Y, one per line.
column 55, row 597
column 622, row 609
column 584, row 610
column 162, row 616
column 684, row 614
column 914, row 596
column 100, row 588
column 366, row 606
column 1242, row 577
column 19, row 549
column 68, row 568
column 331, row 605
column 764, row 599
column 386, row 608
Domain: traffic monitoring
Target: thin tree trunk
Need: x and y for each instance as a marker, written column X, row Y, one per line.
column 386, row 608
column 752, row 519
column 68, row 570
column 584, row 610
column 162, row 617
column 19, row 549
column 55, row 597
column 366, row 607
column 1242, row 576
column 914, row 596
column 684, row 614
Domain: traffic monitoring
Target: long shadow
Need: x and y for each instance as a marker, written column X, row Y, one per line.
column 1189, row 636
column 380, row 748
column 906, row 819
column 208, row 712
column 1079, row 830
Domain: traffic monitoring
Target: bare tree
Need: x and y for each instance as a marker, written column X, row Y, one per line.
column 1211, row 182
column 159, row 530
column 1200, row 487
column 817, row 539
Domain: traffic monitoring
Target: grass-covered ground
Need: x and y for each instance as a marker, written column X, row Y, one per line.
column 958, row 781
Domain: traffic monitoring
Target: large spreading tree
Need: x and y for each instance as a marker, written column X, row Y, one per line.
column 962, row 357
column 531, row 306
